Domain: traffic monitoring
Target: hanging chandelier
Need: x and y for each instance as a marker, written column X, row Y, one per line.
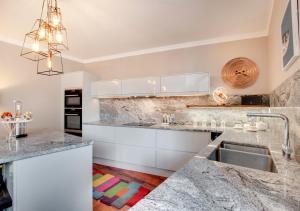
column 46, row 40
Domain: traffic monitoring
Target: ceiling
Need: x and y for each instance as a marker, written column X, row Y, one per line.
column 106, row 29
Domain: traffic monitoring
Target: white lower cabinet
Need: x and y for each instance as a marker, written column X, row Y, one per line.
column 182, row 140
column 124, row 153
column 172, row 160
column 135, row 136
column 98, row 133
column 161, row 149
column 136, row 155
column 175, row 148
column 105, row 150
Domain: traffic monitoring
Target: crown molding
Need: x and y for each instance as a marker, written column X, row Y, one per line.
column 157, row 49
column 72, row 58
column 178, row 46
column 11, row 41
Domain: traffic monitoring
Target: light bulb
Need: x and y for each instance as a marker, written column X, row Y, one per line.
column 49, row 61
column 55, row 19
column 35, row 46
column 59, row 37
column 42, row 33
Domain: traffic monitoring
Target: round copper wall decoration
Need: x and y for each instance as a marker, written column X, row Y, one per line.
column 240, row 73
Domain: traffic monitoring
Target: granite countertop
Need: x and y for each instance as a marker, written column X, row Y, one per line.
column 40, row 142
column 179, row 127
column 202, row 184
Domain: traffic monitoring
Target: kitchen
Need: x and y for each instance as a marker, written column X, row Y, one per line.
column 150, row 110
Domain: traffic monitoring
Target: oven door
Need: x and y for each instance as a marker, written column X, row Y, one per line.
column 73, row 121
column 73, row 99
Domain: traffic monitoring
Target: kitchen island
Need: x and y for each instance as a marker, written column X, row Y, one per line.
column 202, row 184
column 48, row 170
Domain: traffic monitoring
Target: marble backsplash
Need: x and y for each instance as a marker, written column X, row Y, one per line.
column 288, row 93
column 286, row 99
column 151, row 109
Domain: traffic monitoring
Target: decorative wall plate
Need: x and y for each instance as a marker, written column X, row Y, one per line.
column 240, row 73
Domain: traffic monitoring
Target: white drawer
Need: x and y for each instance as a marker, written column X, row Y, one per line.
column 136, row 155
column 172, row 160
column 105, row 150
column 182, row 140
column 99, row 133
column 135, row 136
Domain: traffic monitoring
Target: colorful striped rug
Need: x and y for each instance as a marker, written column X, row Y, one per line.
column 113, row 191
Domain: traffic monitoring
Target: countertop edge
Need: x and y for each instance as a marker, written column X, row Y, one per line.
column 159, row 127
column 46, row 152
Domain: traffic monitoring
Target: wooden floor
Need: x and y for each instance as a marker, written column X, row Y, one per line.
column 147, row 180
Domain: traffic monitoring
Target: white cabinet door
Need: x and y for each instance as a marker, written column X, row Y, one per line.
column 141, row 86
column 59, row 181
column 98, row 133
column 136, row 155
column 124, row 153
column 185, row 84
column 105, row 150
column 129, row 145
column 197, row 83
column 182, row 140
column 106, row 88
column 172, row 160
column 135, row 136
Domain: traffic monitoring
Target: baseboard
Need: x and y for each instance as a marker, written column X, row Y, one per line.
column 133, row 167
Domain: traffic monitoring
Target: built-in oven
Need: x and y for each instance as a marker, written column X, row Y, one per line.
column 73, row 98
column 73, row 121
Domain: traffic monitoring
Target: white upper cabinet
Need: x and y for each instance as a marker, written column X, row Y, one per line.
column 141, row 86
column 185, row 84
column 196, row 83
column 103, row 89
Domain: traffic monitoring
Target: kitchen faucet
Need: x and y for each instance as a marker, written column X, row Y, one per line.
column 286, row 149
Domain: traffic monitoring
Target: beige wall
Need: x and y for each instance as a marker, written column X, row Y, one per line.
column 40, row 94
column 210, row 58
column 277, row 74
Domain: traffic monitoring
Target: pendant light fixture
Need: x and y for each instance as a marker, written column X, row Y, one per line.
column 47, row 38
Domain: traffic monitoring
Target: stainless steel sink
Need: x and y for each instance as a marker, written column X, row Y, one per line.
column 245, row 155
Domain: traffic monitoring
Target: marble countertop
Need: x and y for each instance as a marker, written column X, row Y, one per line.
column 157, row 126
column 202, row 184
column 38, row 143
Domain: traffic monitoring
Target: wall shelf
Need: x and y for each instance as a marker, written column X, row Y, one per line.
column 227, row 106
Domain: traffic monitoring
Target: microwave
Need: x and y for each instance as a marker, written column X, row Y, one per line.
column 73, row 98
